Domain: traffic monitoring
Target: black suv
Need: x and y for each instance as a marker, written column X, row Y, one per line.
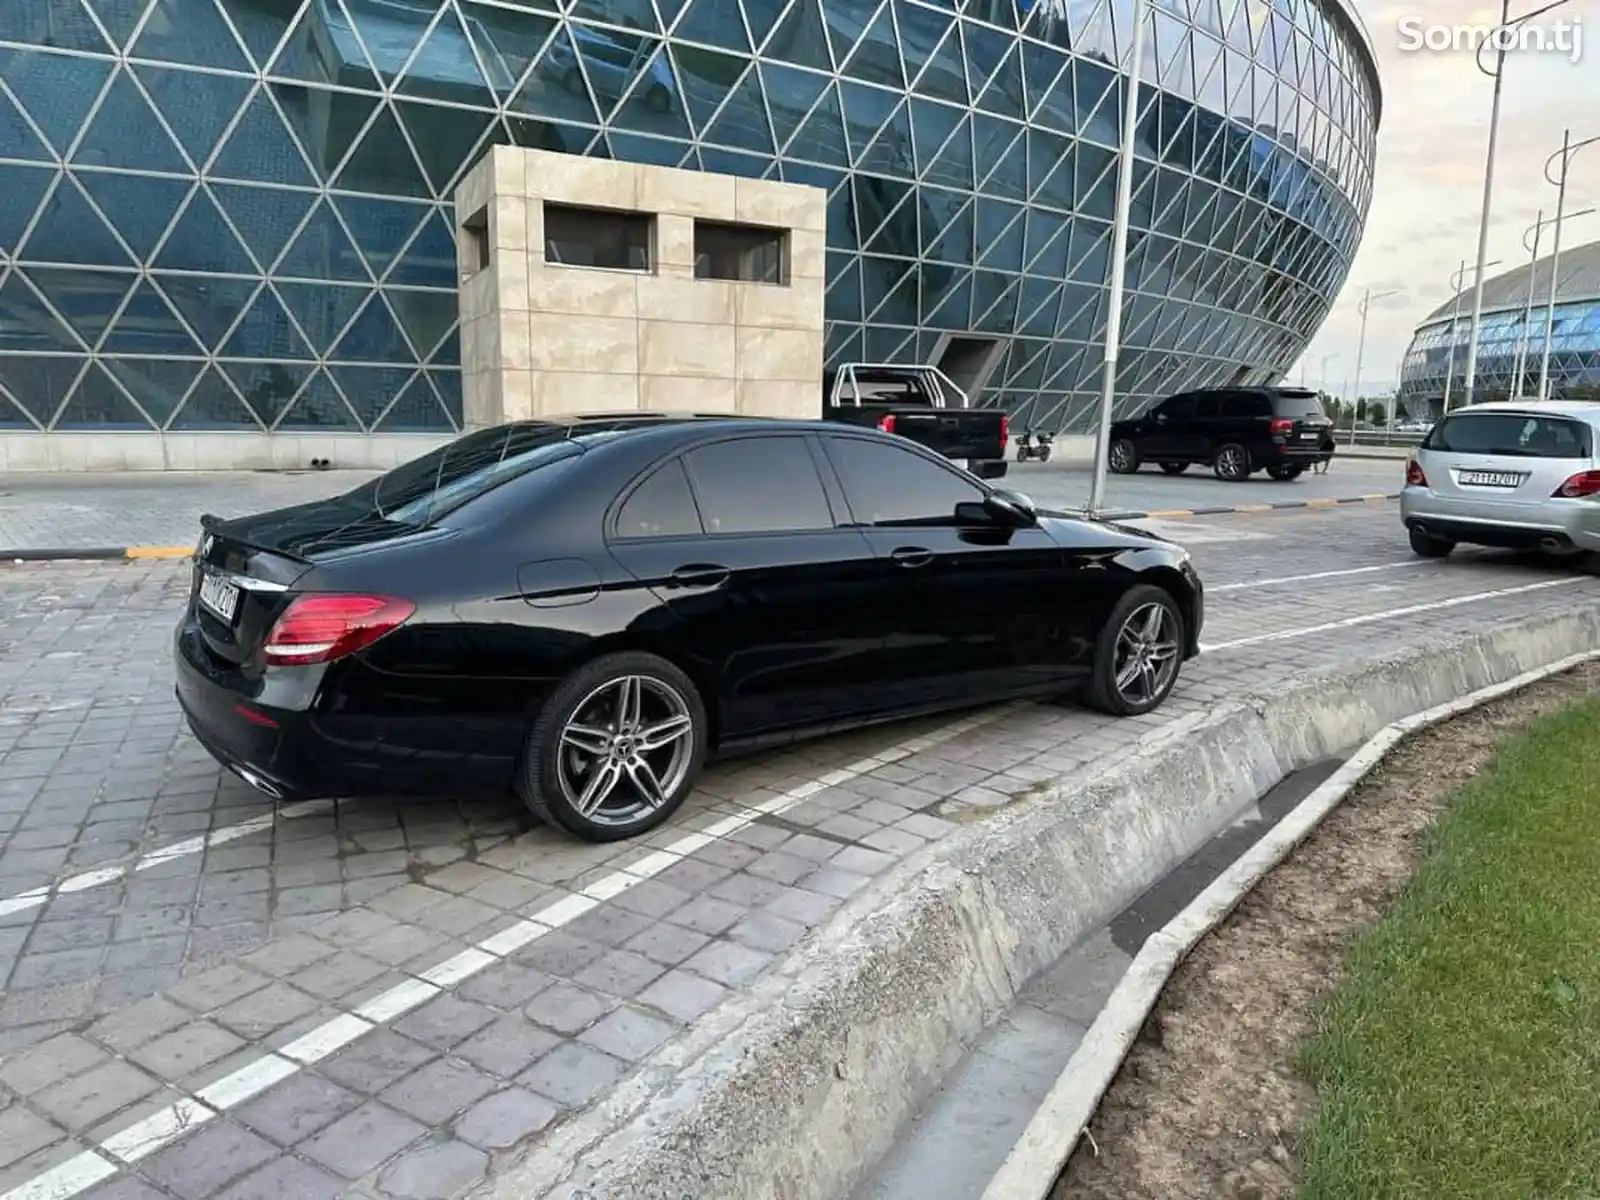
column 1236, row 431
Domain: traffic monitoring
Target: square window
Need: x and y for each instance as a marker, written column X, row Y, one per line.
column 597, row 237
column 748, row 253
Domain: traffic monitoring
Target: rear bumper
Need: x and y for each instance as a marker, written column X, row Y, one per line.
column 1292, row 455
column 1553, row 525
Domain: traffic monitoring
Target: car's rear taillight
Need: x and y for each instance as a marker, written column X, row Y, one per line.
column 1581, row 486
column 321, row 628
column 1005, row 432
column 887, row 424
column 1280, row 427
column 1414, row 475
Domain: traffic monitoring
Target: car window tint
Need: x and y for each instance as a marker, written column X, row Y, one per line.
column 1179, row 408
column 1207, row 407
column 886, row 485
column 1295, row 405
column 661, row 506
column 1511, row 435
column 759, row 485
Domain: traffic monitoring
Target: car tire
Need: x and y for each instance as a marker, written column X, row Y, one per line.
column 1123, row 458
column 1132, row 613
column 1287, row 473
column 598, row 719
column 1174, row 468
column 1425, row 545
column 1232, row 463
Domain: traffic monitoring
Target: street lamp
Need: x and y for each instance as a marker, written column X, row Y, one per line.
column 1568, row 149
column 1119, row 256
column 1498, row 40
column 1322, row 376
column 1361, row 349
column 1456, row 281
column 1524, row 335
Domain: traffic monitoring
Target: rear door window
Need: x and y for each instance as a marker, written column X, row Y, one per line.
column 1179, row 408
column 661, row 506
column 1207, row 407
column 1511, row 435
column 1296, row 405
column 759, row 485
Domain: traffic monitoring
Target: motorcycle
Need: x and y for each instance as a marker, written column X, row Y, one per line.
column 1034, row 447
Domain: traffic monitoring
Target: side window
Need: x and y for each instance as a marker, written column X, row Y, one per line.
column 759, row 485
column 1254, row 404
column 661, row 506
column 887, row 485
column 1179, row 408
column 1207, row 407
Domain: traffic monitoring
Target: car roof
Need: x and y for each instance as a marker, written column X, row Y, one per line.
column 635, row 420
column 1584, row 410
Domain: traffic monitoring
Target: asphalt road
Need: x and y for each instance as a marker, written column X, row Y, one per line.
column 372, row 999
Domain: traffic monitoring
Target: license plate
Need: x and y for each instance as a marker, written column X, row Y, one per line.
column 1496, row 479
column 1309, row 436
column 964, row 463
column 220, row 596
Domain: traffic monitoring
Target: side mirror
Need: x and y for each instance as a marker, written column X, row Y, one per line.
column 1009, row 510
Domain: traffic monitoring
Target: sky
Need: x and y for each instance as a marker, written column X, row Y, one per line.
column 1428, row 194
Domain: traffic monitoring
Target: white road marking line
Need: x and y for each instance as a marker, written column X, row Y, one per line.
column 170, row 1124
column 1387, row 614
column 1283, row 579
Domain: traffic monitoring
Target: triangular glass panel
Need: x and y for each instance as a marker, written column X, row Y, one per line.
column 637, row 148
column 507, row 41
column 1050, row 170
column 266, row 218
column 947, row 225
column 844, row 343
column 886, row 343
column 158, row 385
column 549, row 135
column 943, row 77
column 842, row 302
column 209, row 305
column 325, row 124
column 56, row 90
column 734, row 162
column 319, row 406
column 268, row 388
column 897, row 230
column 654, row 105
column 125, row 133
column 446, row 384
column 932, row 125
column 866, row 110
column 952, row 308
column 36, row 385
column 1036, row 308
column 381, row 228
column 899, row 284
column 821, row 139
column 1041, row 67
column 630, row 14
column 24, row 188
column 430, row 259
column 69, row 230
column 26, row 324
column 706, row 77
column 444, row 67
column 986, row 49
column 198, row 107
column 313, row 53
column 322, row 310
column 261, row 149
column 265, row 332
column 1045, row 244
column 992, row 140
column 382, row 161
column 876, row 57
column 891, row 152
column 193, row 34
column 118, row 18
column 59, row 26
column 323, row 250
column 718, row 23
column 202, row 241
column 953, row 167
column 446, row 139
column 259, row 26
column 743, row 121
column 374, row 337
column 213, row 404
column 801, row 38
column 370, row 391
column 414, row 409
column 556, row 89
column 98, row 403
column 147, row 325
column 1005, row 94
column 17, row 139
column 790, row 93
column 1000, row 230
column 139, row 207
column 86, row 300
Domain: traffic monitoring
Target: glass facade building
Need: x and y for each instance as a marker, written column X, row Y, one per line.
column 1511, row 327
column 235, row 214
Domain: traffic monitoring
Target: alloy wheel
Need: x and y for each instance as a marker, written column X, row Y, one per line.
column 625, row 750
column 1121, row 456
column 1146, row 659
column 1230, row 463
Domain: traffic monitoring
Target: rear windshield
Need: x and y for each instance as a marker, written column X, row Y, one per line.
column 425, row 489
column 1511, row 435
column 1296, row 404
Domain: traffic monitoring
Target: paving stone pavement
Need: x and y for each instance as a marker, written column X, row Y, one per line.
column 379, row 1000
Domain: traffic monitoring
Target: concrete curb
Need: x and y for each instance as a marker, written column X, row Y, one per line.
column 1035, row 1163
column 104, row 553
column 794, row 1088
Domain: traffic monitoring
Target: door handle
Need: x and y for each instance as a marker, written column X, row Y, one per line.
column 912, row 556
column 700, row 575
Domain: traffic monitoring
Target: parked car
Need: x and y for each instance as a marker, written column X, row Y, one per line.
column 1236, row 432
column 1514, row 475
column 584, row 611
column 923, row 404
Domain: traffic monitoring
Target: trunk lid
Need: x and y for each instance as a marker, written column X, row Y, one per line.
column 1309, row 426
column 1504, row 457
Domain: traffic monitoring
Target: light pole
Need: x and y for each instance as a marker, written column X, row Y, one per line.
column 1322, row 376
column 1498, row 40
column 1456, row 281
column 1361, row 349
column 1119, row 256
column 1524, row 334
column 1568, row 149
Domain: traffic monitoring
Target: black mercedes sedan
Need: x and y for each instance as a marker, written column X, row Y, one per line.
column 582, row 612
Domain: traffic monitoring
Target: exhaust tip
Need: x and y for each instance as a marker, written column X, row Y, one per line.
column 261, row 785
